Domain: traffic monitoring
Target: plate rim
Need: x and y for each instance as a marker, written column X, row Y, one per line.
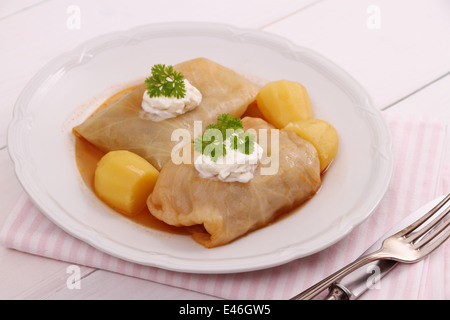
column 241, row 34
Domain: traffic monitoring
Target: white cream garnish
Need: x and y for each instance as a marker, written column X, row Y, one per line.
column 160, row 108
column 235, row 166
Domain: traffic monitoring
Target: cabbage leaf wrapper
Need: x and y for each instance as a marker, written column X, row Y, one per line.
column 124, row 125
column 224, row 211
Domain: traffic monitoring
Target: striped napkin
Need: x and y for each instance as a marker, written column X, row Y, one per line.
column 420, row 175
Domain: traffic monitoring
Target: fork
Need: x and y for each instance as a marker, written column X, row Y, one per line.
column 409, row 245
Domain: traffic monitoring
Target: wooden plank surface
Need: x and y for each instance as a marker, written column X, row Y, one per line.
column 398, row 50
column 32, row 37
column 410, row 49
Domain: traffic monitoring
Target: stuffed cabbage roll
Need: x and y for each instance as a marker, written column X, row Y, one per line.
column 228, row 210
column 123, row 126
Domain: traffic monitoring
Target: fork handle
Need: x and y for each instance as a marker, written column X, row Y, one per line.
column 328, row 281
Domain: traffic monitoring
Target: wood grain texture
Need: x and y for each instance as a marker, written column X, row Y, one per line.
column 103, row 285
column 11, row 7
column 33, row 37
column 409, row 50
column 404, row 65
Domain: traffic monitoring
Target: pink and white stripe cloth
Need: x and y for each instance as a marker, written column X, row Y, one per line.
column 421, row 173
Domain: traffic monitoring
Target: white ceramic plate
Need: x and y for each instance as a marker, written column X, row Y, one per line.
column 69, row 88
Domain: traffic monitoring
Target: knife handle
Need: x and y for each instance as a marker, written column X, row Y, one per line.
column 337, row 293
column 325, row 283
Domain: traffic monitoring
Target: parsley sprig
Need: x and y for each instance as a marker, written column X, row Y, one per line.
column 165, row 81
column 212, row 142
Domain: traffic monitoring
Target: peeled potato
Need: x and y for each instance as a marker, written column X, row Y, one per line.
column 284, row 101
column 321, row 134
column 124, row 180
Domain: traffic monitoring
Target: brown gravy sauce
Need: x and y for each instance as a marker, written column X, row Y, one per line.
column 87, row 156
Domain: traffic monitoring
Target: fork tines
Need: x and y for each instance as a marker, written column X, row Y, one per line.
column 427, row 228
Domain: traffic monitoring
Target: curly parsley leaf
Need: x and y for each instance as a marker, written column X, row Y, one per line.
column 212, row 142
column 165, row 81
column 244, row 142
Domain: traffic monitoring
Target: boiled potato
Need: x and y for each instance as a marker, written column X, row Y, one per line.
column 124, row 180
column 321, row 134
column 284, row 101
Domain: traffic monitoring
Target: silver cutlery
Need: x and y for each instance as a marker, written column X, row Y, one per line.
column 409, row 245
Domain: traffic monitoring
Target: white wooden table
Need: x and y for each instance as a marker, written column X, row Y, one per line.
column 398, row 50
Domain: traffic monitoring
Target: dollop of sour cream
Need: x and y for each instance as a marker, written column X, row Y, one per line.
column 160, row 108
column 234, row 166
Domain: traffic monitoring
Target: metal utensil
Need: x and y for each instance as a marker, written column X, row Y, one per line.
column 409, row 245
column 353, row 285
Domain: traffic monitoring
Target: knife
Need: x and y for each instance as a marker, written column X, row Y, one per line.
column 353, row 285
